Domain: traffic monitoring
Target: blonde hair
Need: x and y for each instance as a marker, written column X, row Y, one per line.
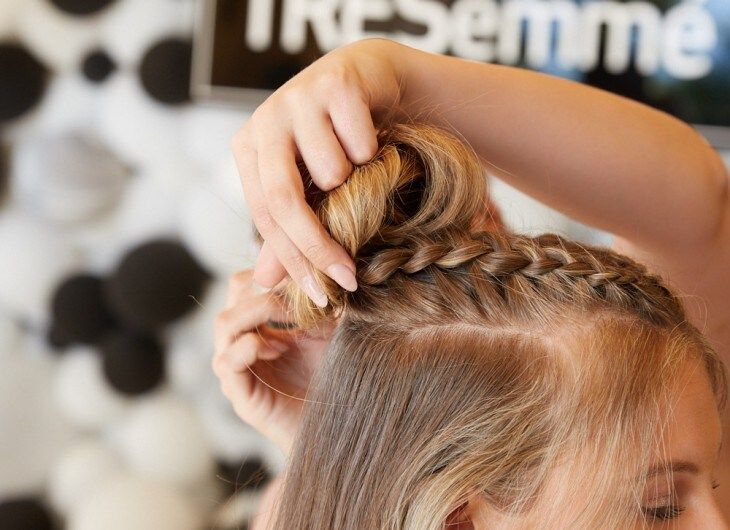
column 528, row 370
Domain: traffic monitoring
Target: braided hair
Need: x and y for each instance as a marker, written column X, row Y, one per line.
column 472, row 360
column 411, row 233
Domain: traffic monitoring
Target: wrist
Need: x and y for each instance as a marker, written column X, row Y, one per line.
column 379, row 64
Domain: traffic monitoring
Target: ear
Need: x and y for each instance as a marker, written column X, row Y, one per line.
column 459, row 519
column 471, row 514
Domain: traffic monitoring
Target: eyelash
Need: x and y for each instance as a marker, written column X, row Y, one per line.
column 663, row 513
column 671, row 511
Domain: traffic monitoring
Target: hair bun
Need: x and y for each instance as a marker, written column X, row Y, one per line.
column 422, row 183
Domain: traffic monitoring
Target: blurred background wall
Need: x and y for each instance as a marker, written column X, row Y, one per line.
column 121, row 217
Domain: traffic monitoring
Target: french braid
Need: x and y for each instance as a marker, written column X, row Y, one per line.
column 475, row 360
column 407, row 218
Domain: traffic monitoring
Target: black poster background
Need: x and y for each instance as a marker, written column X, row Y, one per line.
column 231, row 66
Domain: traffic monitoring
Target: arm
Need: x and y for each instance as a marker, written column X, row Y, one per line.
column 603, row 159
column 610, row 162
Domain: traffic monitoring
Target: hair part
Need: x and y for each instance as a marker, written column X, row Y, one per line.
column 469, row 361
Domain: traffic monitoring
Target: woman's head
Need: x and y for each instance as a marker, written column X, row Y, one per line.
column 510, row 381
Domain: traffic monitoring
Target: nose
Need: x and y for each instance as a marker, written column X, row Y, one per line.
column 712, row 517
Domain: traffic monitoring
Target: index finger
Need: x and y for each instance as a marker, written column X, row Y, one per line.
column 244, row 317
column 281, row 184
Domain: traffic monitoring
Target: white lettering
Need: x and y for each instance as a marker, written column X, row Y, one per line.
column 570, row 33
column 619, row 20
column 260, row 24
column 356, row 12
column 299, row 14
column 690, row 34
column 433, row 15
column 474, row 24
column 540, row 19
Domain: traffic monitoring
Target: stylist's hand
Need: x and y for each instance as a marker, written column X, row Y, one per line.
column 263, row 371
column 323, row 117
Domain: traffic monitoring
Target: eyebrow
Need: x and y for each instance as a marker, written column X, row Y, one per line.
column 678, row 466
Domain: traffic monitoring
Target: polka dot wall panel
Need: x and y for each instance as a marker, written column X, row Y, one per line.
column 121, row 220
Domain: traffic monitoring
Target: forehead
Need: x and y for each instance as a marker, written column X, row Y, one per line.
column 694, row 429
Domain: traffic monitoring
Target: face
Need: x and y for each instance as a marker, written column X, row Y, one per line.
column 685, row 497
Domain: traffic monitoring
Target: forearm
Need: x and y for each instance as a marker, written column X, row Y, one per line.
column 605, row 160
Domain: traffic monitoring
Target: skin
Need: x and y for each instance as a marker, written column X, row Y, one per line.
column 252, row 359
column 250, row 371
column 692, row 444
column 618, row 165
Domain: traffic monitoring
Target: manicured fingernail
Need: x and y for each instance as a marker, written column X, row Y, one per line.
column 258, row 288
column 342, row 275
column 314, row 291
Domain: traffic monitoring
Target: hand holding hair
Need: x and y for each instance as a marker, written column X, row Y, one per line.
column 552, row 138
column 480, row 373
column 264, row 368
column 322, row 116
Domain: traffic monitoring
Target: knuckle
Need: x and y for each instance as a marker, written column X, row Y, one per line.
column 293, row 98
column 316, row 252
column 333, row 172
column 335, row 78
column 298, row 261
column 367, row 152
column 259, row 114
column 243, row 342
column 222, row 321
column 263, row 219
column 240, row 279
column 339, row 170
column 280, row 199
column 233, row 296
column 240, row 138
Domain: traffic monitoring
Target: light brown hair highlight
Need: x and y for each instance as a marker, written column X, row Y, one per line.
column 529, row 371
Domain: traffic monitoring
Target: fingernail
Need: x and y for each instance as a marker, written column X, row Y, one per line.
column 342, row 275
column 258, row 288
column 314, row 291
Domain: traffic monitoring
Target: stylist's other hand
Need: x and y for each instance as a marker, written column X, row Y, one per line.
column 323, row 117
column 264, row 371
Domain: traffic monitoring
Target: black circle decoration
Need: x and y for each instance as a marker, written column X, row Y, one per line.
column 97, row 66
column 22, row 81
column 57, row 338
column 80, row 314
column 132, row 364
column 81, row 7
column 155, row 284
column 24, row 514
column 165, row 70
column 251, row 474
